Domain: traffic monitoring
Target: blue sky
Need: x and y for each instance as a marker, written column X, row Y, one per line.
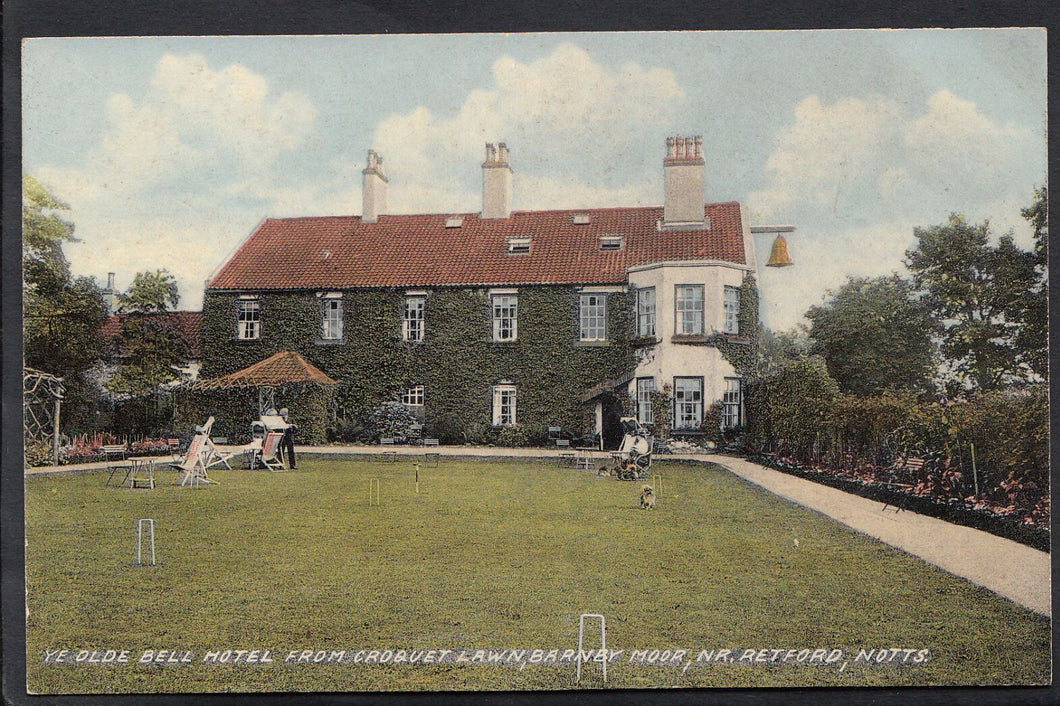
column 169, row 150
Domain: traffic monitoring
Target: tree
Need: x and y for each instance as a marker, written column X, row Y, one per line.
column 875, row 335
column 150, row 292
column 975, row 288
column 150, row 341
column 1032, row 339
column 779, row 348
column 62, row 316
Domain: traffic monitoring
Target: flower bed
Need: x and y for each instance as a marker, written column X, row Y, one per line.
column 89, row 448
column 1015, row 510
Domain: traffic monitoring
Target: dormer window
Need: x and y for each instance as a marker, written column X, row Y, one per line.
column 454, row 222
column 610, row 242
column 517, row 246
column 580, row 219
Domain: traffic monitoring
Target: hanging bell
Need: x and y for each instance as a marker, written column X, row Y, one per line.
column 778, row 256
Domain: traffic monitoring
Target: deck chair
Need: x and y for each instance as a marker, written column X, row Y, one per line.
column 269, row 448
column 193, row 466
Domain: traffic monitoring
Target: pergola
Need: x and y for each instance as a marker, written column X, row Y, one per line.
column 42, row 397
column 283, row 369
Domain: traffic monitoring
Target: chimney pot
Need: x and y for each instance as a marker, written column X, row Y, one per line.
column 110, row 280
column 496, row 182
column 374, row 188
column 683, row 171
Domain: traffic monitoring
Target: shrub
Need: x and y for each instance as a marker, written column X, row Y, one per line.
column 515, row 435
column 390, row 419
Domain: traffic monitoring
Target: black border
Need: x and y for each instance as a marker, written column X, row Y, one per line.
column 38, row 18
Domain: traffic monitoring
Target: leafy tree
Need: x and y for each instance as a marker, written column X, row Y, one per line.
column 150, row 340
column 1032, row 339
column 62, row 316
column 150, row 292
column 874, row 335
column 779, row 348
column 978, row 290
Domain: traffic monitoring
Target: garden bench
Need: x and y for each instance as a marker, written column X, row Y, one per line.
column 904, row 466
column 388, row 455
column 114, row 453
column 430, row 460
column 430, row 442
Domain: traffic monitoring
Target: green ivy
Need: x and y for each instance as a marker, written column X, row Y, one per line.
column 742, row 352
column 457, row 362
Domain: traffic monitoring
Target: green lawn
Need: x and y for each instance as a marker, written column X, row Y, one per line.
column 490, row 554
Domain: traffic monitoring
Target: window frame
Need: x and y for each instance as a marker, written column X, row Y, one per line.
column 645, row 317
column 501, row 392
column 412, row 393
column 246, row 325
column 511, row 306
column 732, row 409
column 592, row 322
column 681, row 307
column 696, row 405
column 644, row 401
column 731, row 308
column 411, row 324
column 326, row 303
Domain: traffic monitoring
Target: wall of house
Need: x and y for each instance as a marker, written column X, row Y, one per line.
column 705, row 356
column 458, row 362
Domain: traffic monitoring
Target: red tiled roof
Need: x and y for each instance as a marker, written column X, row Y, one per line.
column 283, row 368
column 418, row 250
column 188, row 325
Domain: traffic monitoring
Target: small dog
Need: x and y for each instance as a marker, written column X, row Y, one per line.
column 647, row 497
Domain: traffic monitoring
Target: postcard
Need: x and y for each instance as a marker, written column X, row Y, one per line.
column 524, row 362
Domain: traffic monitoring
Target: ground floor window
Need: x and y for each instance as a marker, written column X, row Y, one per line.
column 645, row 386
column 503, row 405
column 688, row 403
column 413, row 396
column 732, row 404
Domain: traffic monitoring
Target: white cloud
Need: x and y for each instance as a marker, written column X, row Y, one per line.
column 540, row 108
column 156, row 190
column 857, row 175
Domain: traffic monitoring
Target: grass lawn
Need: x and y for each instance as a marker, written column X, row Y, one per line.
column 490, row 554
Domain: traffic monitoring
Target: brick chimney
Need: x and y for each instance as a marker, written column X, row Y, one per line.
column 496, row 182
column 683, row 171
column 373, row 193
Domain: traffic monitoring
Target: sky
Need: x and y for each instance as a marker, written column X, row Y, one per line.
column 170, row 150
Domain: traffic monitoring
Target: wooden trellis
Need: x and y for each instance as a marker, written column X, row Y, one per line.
column 42, row 396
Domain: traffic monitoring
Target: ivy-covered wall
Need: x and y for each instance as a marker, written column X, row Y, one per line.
column 457, row 362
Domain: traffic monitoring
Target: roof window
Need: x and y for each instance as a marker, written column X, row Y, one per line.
column 454, row 222
column 611, row 242
column 580, row 219
column 518, row 245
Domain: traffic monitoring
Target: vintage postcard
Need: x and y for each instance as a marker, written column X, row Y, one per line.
column 529, row 362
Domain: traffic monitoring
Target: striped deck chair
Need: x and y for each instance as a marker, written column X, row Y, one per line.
column 193, row 466
column 269, row 448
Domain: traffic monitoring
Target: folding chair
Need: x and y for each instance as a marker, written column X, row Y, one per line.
column 269, row 448
column 193, row 466
column 115, row 453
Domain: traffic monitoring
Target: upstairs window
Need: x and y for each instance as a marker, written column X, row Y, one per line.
column 331, row 313
column 689, row 309
column 593, row 317
column 610, row 242
column 413, row 396
column 412, row 321
column 688, row 403
column 248, row 324
column 504, row 405
column 646, row 312
column 645, row 386
column 505, row 317
column 732, row 310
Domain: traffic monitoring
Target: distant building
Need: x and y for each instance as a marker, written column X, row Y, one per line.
column 503, row 318
column 185, row 326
